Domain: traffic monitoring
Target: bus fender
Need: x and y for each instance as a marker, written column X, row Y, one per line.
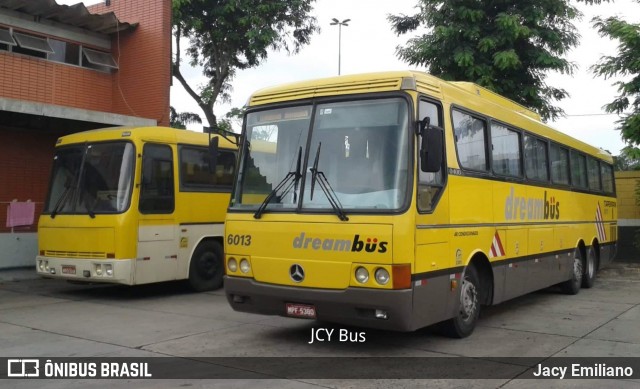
column 480, row 261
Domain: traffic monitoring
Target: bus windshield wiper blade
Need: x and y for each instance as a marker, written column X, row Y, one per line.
column 62, row 201
column 286, row 183
column 314, row 171
column 317, row 175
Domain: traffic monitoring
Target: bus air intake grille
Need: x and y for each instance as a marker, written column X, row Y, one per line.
column 74, row 254
column 327, row 90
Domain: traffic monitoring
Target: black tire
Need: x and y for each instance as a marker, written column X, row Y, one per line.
column 463, row 324
column 590, row 268
column 572, row 286
column 207, row 267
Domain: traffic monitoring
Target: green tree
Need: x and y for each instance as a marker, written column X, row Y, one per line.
column 231, row 119
column 225, row 36
column 627, row 65
column 505, row 46
column 629, row 159
column 181, row 119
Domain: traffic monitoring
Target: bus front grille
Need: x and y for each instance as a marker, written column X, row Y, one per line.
column 75, row 254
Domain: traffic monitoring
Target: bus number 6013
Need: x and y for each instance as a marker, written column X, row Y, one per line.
column 239, row 240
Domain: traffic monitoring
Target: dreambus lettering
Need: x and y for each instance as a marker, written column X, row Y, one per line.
column 529, row 208
column 356, row 245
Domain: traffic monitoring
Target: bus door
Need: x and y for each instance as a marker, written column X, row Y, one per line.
column 157, row 254
column 433, row 251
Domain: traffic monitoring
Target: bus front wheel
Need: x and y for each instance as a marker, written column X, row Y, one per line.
column 463, row 324
column 206, row 268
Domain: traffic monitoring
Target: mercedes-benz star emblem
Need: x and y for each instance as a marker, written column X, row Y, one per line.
column 296, row 272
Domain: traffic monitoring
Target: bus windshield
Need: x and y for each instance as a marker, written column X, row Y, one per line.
column 357, row 154
column 91, row 179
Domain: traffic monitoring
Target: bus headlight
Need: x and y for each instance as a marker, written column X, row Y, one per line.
column 362, row 275
column 99, row 270
column 108, row 270
column 41, row 265
column 382, row 276
column 232, row 265
column 244, row 265
column 46, row 266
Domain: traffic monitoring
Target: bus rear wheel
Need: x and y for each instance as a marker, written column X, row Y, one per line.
column 463, row 324
column 590, row 267
column 206, row 268
column 572, row 286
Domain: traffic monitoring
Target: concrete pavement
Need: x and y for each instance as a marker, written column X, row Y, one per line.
column 52, row 318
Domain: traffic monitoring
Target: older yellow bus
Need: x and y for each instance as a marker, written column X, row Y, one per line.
column 135, row 206
column 398, row 200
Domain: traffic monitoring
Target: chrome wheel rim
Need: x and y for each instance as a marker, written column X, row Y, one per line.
column 591, row 264
column 468, row 300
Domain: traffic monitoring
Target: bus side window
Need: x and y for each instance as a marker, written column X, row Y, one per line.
column 156, row 193
column 429, row 184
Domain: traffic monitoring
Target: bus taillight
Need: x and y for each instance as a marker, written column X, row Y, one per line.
column 401, row 276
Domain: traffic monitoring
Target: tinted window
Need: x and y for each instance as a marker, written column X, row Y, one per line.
column 535, row 158
column 195, row 172
column 607, row 177
column 506, row 150
column 429, row 184
column 157, row 193
column 559, row 164
column 593, row 171
column 578, row 170
column 470, row 134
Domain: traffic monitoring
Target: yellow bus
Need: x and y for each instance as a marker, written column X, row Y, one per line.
column 135, row 206
column 398, row 200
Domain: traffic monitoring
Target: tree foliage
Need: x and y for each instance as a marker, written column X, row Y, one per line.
column 627, row 65
column 505, row 46
column 629, row 159
column 180, row 120
column 226, row 36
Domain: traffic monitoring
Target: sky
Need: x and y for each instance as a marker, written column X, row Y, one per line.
column 368, row 44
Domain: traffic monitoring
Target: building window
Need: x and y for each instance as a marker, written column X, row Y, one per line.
column 64, row 52
column 32, row 45
column 6, row 40
column 98, row 60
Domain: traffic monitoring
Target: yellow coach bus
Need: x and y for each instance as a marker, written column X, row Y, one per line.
column 135, row 206
column 397, row 200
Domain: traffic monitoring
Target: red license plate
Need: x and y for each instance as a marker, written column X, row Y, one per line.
column 301, row 310
column 68, row 269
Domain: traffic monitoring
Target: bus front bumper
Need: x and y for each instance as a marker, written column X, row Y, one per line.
column 351, row 306
column 87, row 270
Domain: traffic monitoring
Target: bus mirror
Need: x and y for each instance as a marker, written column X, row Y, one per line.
column 213, row 154
column 431, row 149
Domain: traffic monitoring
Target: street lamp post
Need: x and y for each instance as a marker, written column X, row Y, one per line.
column 339, row 24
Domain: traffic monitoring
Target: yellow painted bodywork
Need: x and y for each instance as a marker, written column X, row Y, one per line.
column 467, row 217
column 118, row 236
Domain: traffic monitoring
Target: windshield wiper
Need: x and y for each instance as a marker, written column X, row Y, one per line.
column 287, row 183
column 63, row 199
column 317, row 175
